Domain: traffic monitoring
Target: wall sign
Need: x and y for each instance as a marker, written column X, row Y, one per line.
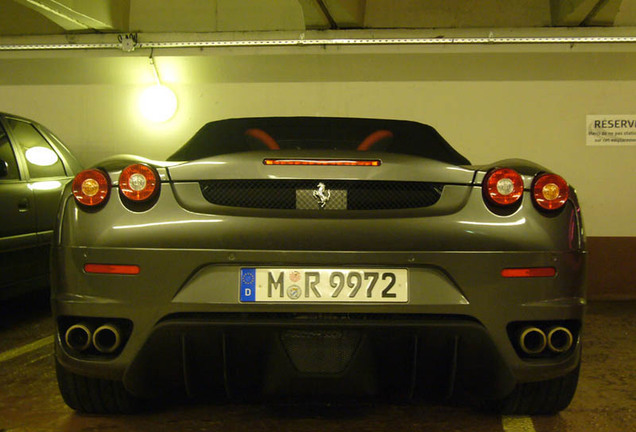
column 611, row 130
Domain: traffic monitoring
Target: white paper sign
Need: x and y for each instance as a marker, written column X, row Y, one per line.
column 611, row 130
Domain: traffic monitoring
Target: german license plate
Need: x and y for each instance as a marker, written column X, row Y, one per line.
column 313, row 285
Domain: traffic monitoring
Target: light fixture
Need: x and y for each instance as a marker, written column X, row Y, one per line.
column 157, row 103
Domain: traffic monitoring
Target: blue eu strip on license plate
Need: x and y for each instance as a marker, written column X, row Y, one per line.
column 248, row 284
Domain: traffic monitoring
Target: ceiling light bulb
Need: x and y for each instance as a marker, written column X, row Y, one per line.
column 158, row 103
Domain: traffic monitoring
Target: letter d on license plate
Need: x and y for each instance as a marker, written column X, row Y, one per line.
column 285, row 285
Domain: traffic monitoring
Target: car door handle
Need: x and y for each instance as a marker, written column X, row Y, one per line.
column 23, row 205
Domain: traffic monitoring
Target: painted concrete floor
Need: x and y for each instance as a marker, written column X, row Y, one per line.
column 29, row 399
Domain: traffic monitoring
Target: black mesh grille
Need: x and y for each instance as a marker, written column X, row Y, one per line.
column 320, row 351
column 360, row 195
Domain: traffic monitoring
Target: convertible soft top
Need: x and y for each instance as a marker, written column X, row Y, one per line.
column 305, row 133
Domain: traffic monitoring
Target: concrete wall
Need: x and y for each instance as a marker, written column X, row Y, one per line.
column 489, row 105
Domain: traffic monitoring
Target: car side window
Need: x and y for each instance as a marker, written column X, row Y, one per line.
column 42, row 160
column 8, row 157
column 72, row 164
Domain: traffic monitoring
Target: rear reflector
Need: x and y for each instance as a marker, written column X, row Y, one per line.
column 112, row 269
column 528, row 272
column 322, row 162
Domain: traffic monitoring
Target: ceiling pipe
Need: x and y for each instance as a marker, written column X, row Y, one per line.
column 126, row 45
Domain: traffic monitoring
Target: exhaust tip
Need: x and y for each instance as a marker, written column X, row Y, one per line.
column 107, row 339
column 532, row 340
column 560, row 339
column 78, row 337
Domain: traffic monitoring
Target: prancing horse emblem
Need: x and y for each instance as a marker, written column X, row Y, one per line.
column 322, row 195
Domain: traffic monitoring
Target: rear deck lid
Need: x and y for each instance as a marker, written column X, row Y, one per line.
column 321, row 165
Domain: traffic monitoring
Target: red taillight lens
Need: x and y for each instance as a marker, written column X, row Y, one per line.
column 503, row 186
column 138, row 182
column 91, row 187
column 550, row 191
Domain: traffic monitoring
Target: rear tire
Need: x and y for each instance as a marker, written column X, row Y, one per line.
column 542, row 397
column 95, row 395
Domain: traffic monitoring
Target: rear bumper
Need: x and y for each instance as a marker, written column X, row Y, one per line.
column 343, row 356
column 189, row 330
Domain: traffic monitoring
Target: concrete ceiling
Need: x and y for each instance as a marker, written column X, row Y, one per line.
column 55, row 17
column 45, row 25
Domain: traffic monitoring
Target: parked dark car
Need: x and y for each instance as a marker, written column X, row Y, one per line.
column 304, row 258
column 34, row 168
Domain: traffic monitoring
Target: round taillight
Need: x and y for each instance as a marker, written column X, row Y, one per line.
column 550, row 191
column 91, row 187
column 138, row 182
column 503, row 186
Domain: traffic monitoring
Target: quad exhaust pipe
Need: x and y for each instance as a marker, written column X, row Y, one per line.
column 533, row 340
column 78, row 337
column 107, row 338
column 560, row 339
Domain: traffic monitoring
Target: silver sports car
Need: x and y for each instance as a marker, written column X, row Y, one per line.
column 318, row 258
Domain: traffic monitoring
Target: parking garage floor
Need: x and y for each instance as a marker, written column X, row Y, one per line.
column 30, row 401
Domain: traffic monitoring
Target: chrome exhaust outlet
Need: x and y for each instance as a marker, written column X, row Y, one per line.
column 532, row 340
column 106, row 339
column 78, row 337
column 560, row 339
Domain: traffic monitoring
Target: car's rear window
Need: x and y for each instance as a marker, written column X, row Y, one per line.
column 305, row 133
